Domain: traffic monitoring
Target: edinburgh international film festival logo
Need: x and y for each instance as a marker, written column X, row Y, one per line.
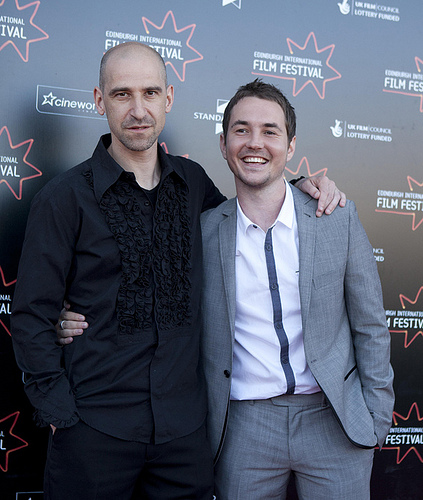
column 406, row 327
column 403, row 202
column 305, row 64
column 408, row 82
column 6, row 296
column 18, row 26
column 14, row 165
column 173, row 42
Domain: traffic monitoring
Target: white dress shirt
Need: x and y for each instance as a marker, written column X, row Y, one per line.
column 257, row 370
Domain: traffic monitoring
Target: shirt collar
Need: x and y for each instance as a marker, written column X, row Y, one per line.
column 106, row 171
column 285, row 216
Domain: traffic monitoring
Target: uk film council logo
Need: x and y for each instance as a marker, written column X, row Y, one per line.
column 18, row 28
column 344, row 7
column 366, row 131
column 369, row 10
column 305, row 65
column 14, row 165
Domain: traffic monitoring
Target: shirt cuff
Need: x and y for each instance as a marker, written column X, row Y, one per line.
column 44, row 419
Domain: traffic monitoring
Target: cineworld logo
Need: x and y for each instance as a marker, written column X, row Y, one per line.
column 66, row 102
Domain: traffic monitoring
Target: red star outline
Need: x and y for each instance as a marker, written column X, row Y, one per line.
column 16, row 415
column 417, row 60
column 404, row 299
column 190, row 26
column 309, row 174
column 318, row 51
column 164, row 146
column 5, row 285
column 37, row 5
column 30, row 142
column 395, row 416
column 414, row 226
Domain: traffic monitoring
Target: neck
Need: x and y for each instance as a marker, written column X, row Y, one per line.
column 144, row 164
column 261, row 205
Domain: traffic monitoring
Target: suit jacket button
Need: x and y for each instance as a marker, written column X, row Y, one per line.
column 227, row 373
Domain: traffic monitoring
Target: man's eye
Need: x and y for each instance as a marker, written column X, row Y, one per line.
column 270, row 132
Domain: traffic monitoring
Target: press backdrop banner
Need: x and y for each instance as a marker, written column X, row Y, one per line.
column 352, row 70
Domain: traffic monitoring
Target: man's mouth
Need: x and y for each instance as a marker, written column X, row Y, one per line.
column 254, row 159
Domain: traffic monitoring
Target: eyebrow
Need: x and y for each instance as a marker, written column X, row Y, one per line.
column 115, row 90
column 265, row 125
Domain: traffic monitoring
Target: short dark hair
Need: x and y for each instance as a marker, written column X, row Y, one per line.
column 265, row 91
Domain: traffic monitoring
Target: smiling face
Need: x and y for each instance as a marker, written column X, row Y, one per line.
column 256, row 146
column 134, row 97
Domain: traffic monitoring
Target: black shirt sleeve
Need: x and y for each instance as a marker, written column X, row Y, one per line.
column 40, row 289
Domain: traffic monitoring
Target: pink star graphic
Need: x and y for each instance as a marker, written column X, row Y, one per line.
column 396, row 416
column 29, row 142
column 190, row 31
column 292, row 46
column 305, row 170
column 44, row 35
column 10, row 438
column 164, row 146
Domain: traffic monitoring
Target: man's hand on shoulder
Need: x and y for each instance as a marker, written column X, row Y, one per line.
column 323, row 189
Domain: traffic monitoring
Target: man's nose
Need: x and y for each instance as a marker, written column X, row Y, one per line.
column 255, row 140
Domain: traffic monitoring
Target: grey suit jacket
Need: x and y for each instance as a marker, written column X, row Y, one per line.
column 346, row 340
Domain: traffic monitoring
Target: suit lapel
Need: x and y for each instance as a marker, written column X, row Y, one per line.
column 306, row 220
column 227, row 250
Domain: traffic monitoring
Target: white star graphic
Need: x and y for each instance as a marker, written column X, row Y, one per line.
column 48, row 99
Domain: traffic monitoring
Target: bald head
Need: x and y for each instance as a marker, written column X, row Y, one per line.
column 128, row 50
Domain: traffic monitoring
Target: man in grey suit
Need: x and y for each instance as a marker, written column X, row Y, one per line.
column 295, row 344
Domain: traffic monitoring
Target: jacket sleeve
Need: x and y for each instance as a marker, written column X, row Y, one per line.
column 41, row 284
column 371, row 338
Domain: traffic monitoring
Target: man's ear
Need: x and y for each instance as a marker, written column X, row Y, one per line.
column 291, row 148
column 223, row 146
column 99, row 102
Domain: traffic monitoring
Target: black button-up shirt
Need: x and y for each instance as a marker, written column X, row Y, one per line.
column 133, row 266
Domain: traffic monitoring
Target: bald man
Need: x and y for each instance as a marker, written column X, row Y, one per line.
column 119, row 237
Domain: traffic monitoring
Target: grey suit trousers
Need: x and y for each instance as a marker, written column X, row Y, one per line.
column 266, row 440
